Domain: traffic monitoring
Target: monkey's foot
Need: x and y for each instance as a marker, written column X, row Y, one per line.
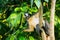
column 28, row 30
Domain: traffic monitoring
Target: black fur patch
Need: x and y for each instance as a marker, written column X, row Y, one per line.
column 38, row 30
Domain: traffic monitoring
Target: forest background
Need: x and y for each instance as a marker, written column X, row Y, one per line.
column 12, row 21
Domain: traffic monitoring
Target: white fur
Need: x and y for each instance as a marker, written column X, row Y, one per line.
column 26, row 14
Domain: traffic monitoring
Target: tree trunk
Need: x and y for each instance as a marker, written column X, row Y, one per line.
column 52, row 37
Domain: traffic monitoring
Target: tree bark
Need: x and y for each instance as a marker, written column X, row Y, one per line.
column 52, row 37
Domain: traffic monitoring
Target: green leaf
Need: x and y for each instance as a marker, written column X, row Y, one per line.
column 13, row 15
column 12, row 37
column 47, row 0
column 22, row 38
column 31, row 38
column 14, row 19
column 8, row 38
column 59, row 20
column 17, row 32
column 33, row 9
column 31, row 3
column 24, row 8
column 17, row 9
column 38, row 3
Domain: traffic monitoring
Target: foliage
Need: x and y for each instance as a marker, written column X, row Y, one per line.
column 12, row 21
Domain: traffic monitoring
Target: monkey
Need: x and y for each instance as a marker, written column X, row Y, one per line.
column 33, row 22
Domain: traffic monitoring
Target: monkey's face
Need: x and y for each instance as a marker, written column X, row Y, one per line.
column 27, row 16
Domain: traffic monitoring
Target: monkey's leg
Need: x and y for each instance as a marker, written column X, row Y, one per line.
column 30, row 29
column 38, row 30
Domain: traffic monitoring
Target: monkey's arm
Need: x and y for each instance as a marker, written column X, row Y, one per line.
column 30, row 29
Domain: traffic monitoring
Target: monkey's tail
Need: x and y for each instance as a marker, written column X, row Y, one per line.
column 46, row 31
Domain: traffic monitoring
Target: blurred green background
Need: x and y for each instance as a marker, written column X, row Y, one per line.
column 12, row 21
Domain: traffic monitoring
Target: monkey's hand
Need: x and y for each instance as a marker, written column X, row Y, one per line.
column 28, row 30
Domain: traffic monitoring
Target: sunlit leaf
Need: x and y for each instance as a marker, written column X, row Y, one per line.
column 4, row 20
column 33, row 9
column 14, row 19
column 12, row 37
column 47, row 0
column 13, row 15
column 38, row 3
column 17, row 9
column 56, row 20
column 0, row 36
column 59, row 20
column 31, row 38
column 24, row 8
column 31, row 3
column 44, row 3
column 22, row 38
